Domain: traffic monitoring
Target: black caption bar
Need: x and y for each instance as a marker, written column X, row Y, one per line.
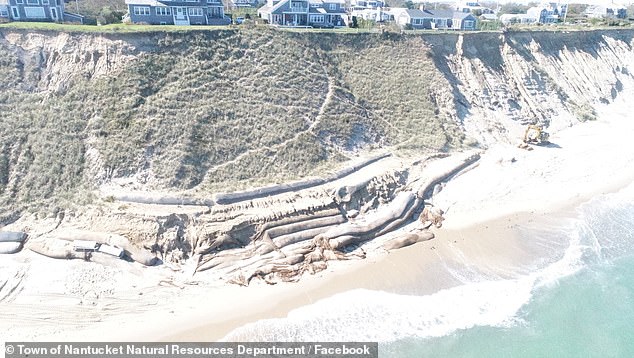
column 192, row 350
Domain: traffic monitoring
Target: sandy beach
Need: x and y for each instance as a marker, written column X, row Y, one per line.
column 484, row 207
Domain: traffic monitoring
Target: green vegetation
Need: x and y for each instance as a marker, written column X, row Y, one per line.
column 211, row 111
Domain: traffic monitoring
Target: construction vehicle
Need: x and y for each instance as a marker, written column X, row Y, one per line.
column 534, row 134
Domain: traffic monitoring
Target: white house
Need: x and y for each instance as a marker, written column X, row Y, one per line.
column 435, row 19
column 472, row 7
column 508, row 19
column 304, row 13
column 606, row 12
column 548, row 13
column 4, row 9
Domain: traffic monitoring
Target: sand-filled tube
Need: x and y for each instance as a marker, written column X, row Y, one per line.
column 11, row 241
column 12, row 236
column 10, row 247
column 230, row 198
column 407, row 240
column 389, row 213
column 54, row 248
column 50, row 245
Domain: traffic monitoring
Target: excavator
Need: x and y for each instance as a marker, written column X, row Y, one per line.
column 534, row 134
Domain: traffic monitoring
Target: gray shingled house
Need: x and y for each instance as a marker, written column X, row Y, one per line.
column 180, row 12
column 308, row 13
column 37, row 10
column 435, row 19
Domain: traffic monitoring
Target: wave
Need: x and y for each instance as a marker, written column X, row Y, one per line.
column 602, row 231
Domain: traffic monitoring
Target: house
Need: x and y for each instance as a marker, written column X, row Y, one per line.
column 234, row 4
column 473, row 7
column 366, row 4
column 372, row 10
column 37, row 10
column 548, row 13
column 177, row 12
column 435, row 19
column 304, row 13
column 378, row 14
column 4, row 10
column 509, row 19
column 606, row 12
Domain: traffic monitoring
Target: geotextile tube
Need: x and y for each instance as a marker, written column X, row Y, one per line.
column 230, row 198
column 10, row 247
column 392, row 211
column 60, row 245
column 12, row 236
column 11, row 241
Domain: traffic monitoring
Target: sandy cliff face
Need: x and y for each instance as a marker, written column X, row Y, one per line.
column 50, row 61
column 553, row 78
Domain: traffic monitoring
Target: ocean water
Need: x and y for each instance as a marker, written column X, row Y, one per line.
column 576, row 300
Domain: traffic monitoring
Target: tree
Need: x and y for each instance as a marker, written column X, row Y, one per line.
column 109, row 16
column 513, row 8
column 409, row 4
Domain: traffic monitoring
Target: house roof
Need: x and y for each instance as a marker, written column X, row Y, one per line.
column 415, row 13
column 436, row 14
column 264, row 10
column 142, row 2
column 461, row 15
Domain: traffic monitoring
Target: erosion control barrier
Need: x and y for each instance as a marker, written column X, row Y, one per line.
column 231, row 198
column 11, row 241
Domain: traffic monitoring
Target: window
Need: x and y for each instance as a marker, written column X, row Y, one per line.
column 45, row 2
column 332, row 6
column 195, row 11
column 54, row 14
column 19, row 1
column 16, row 13
column 417, row 21
column 468, row 24
column 317, row 18
column 142, row 10
column 33, row 2
column 212, row 1
column 163, row 11
column 4, row 13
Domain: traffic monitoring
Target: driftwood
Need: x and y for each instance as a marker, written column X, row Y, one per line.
column 407, row 240
column 432, row 216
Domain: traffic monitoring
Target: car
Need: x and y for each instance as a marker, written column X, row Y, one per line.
column 239, row 20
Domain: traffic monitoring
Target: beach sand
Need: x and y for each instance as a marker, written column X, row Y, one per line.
column 485, row 209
